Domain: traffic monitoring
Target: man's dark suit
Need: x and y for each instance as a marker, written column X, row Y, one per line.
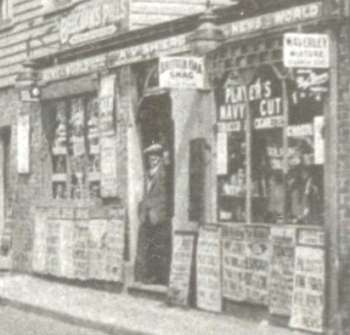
column 154, row 246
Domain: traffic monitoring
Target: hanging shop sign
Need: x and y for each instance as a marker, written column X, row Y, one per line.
column 234, row 261
column 181, row 72
column 306, row 50
column 283, row 240
column 308, row 303
column 181, row 264
column 209, row 296
column 92, row 21
column 23, row 143
column 283, row 17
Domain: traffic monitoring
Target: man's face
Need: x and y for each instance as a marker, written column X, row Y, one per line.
column 153, row 160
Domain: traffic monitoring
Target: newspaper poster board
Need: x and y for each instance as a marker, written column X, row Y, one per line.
column 181, row 265
column 283, row 240
column 209, row 295
column 257, row 264
column 233, row 255
column 309, row 289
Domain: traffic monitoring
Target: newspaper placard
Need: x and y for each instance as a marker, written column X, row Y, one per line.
column 257, row 264
column 234, row 249
column 309, row 289
column 302, row 50
column 181, row 72
column 209, row 269
column 281, row 270
column 181, row 264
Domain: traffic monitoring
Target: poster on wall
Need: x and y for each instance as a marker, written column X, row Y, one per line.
column 180, row 272
column 308, row 303
column 281, row 270
column 40, row 239
column 97, row 248
column 23, row 143
column 209, row 294
column 257, row 264
column 108, row 161
column 233, row 255
column 182, row 72
column 115, row 249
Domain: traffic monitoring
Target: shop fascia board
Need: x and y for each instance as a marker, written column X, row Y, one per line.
column 167, row 29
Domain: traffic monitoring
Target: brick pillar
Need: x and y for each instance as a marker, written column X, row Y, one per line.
column 28, row 185
column 343, row 174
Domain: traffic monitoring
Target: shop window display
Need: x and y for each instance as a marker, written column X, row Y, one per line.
column 269, row 150
column 75, row 148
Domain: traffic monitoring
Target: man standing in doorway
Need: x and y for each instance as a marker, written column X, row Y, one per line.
column 155, row 231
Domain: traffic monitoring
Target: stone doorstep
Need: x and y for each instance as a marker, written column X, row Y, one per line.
column 69, row 318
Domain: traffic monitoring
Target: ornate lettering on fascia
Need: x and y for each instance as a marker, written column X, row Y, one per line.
column 94, row 20
column 137, row 53
column 280, row 18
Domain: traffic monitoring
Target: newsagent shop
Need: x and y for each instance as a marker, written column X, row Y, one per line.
column 241, row 114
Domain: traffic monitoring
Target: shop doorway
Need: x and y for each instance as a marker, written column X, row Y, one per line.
column 156, row 208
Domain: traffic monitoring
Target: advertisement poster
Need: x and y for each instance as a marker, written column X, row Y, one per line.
column 209, row 295
column 309, row 289
column 108, row 161
column 115, row 249
column 302, row 50
column 40, row 241
column 23, row 143
column 221, row 153
column 182, row 72
column 181, row 264
column 281, row 270
column 97, row 248
column 257, row 264
column 233, row 255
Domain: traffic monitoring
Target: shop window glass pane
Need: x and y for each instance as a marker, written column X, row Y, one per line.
column 305, row 150
column 231, row 150
column 267, row 184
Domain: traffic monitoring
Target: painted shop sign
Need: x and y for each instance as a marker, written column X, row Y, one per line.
column 306, row 50
column 181, row 263
column 272, row 20
column 309, row 289
column 117, row 58
column 209, row 269
column 92, row 21
column 181, row 72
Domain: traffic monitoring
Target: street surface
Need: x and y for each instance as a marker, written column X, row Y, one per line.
column 16, row 322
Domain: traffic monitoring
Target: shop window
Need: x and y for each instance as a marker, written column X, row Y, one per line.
column 270, row 149
column 74, row 148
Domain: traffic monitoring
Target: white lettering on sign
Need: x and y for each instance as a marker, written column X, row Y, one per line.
column 89, row 18
column 306, row 50
column 270, row 20
column 181, row 72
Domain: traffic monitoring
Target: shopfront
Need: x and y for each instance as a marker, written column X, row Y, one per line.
column 244, row 143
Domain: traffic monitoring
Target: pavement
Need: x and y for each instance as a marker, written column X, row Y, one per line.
column 122, row 313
